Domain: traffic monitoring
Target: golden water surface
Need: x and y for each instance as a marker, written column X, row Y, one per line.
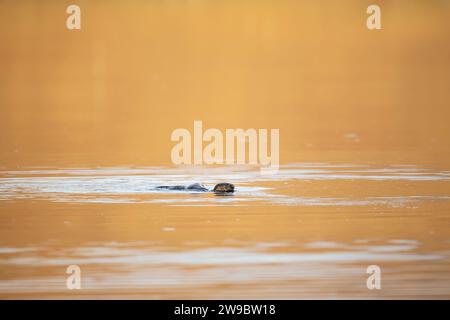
column 85, row 123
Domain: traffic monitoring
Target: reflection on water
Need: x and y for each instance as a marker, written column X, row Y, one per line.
column 82, row 113
column 259, row 269
column 127, row 185
column 213, row 256
column 304, row 241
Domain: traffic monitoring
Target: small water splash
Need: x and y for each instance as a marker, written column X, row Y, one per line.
column 139, row 185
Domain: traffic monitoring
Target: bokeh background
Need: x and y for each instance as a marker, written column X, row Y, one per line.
column 112, row 93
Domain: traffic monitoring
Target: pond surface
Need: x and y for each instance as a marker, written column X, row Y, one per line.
column 309, row 231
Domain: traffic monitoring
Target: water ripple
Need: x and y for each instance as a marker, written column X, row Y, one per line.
column 138, row 185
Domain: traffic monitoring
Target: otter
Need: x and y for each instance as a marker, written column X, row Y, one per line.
column 220, row 188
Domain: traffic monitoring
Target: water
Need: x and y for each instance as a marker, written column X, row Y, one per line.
column 86, row 118
column 309, row 231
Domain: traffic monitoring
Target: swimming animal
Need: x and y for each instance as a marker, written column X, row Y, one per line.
column 220, row 188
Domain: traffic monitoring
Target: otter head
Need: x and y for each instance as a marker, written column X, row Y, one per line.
column 224, row 188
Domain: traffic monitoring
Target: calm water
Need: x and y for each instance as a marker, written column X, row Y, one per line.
column 309, row 231
column 86, row 118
